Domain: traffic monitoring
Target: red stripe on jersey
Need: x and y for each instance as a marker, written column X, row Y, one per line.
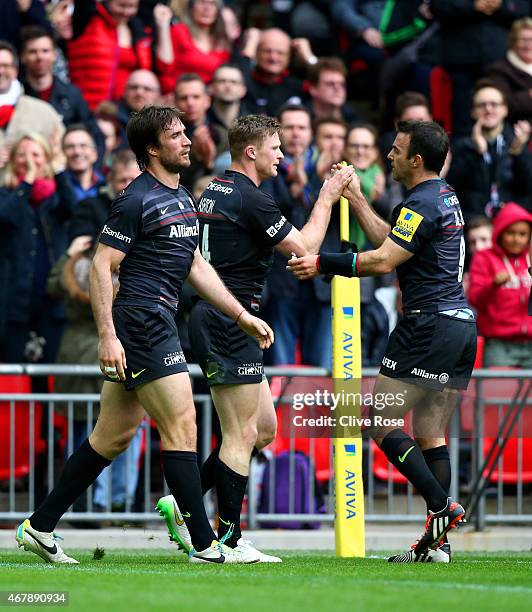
column 223, row 180
column 211, row 215
column 176, row 217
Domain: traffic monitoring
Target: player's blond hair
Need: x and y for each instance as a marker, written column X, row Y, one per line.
column 250, row 130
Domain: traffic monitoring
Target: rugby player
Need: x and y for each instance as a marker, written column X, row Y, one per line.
column 151, row 234
column 431, row 352
column 240, row 226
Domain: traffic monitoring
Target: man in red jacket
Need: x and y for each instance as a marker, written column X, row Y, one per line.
column 500, row 286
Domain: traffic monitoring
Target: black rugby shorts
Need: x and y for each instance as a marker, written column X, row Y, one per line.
column 151, row 343
column 431, row 350
column 226, row 354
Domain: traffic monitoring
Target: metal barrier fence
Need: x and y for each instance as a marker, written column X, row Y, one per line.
column 28, row 467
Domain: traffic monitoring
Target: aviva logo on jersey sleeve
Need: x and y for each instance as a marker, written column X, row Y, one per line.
column 407, row 224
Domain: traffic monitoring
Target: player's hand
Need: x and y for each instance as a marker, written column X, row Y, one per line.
column 501, row 277
column 256, row 328
column 303, row 268
column 112, row 357
column 353, row 190
column 333, row 188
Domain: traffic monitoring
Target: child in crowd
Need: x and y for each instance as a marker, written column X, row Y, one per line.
column 478, row 237
column 478, row 234
column 499, row 290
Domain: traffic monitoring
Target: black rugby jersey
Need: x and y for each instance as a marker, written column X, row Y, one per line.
column 157, row 228
column 429, row 223
column 239, row 226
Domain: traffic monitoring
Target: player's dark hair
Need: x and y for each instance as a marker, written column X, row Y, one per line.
column 250, row 129
column 33, row 32
column 145, row 127
column 7, row 46
column 408, row 99
column 428, row 140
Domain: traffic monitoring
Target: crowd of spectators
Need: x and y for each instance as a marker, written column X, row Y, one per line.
column 338, row 75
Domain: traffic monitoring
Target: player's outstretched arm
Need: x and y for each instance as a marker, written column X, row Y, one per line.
column 210, row 287
column 310, row 237
column 110, row 351
column 313, row 232
column 369, row 263
column 375, row 228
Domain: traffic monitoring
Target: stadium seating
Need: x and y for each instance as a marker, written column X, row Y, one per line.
column 499, row 392
column 18, row 383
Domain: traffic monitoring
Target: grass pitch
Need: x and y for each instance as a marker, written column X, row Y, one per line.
column 163, row 580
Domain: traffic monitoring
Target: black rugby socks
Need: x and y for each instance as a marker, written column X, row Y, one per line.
column 439, row 464
column 208, row 471
column 403, row 452
column 182, row 475
column 80, row 471
column 230, row 489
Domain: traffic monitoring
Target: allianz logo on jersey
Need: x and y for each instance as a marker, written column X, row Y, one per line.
column 443, row 377
column 221, row 188
column 115, row 234
column 273, row 229
column 184, row 231
column 250, row 369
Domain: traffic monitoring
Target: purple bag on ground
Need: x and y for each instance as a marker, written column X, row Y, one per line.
column 303, row 486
